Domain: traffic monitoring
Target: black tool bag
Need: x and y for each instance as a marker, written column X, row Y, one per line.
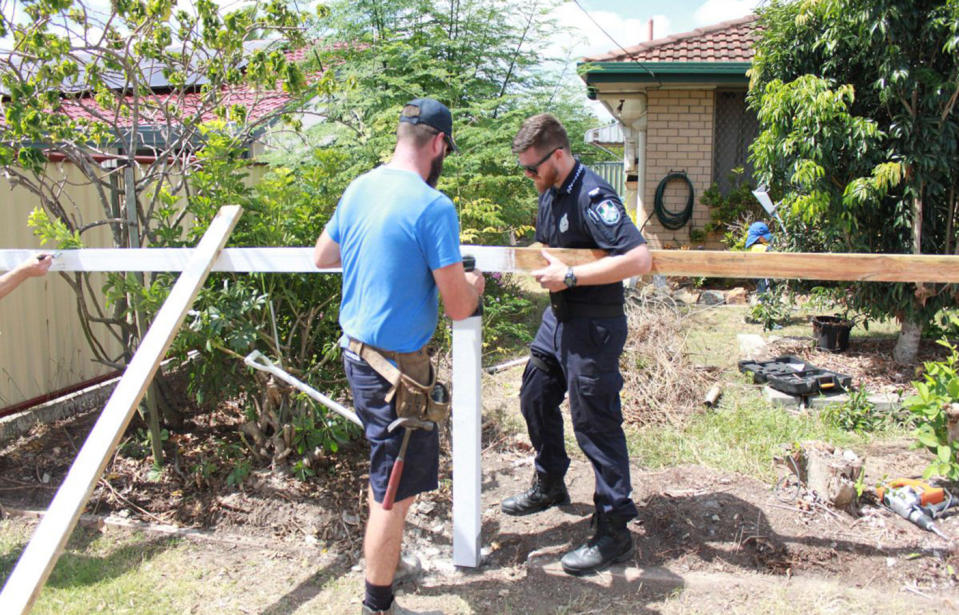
column 794, row 376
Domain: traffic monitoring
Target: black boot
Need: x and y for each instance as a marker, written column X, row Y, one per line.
column 544, row 493
column 612, row 543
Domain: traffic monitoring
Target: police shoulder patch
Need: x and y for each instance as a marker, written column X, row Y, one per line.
column 608, row 212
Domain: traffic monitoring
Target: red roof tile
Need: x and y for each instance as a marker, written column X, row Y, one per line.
column 259, row 104
column 729, row 41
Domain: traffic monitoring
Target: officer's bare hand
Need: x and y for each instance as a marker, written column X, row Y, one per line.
column 476, row 279
column 552, row 276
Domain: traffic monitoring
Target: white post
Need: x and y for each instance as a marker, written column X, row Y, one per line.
column 467, row 424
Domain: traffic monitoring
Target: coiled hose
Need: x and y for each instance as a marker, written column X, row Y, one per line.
column 673, row 220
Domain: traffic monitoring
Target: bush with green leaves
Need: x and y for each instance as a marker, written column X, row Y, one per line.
column 771, row 311
column 290, row 318
column 857, row 413
column 936, row 395
column 733, row 212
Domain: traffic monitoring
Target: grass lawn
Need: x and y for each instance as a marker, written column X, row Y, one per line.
column 744, row 432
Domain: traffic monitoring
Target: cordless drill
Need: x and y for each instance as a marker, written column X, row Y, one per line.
column 907, row 501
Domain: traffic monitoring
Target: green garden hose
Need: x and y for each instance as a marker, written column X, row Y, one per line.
column 673, row 219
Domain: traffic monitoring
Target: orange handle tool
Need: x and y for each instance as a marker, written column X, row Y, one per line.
column 396, row 473
column 927, row 493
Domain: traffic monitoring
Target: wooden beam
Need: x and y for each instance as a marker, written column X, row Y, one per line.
column 808, row 266
column 721, row 264
column 31, row 572
column 701, row 263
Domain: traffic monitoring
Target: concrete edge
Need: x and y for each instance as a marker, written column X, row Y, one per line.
column 92, row 397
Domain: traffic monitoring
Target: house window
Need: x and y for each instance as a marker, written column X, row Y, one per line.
column 736, row 127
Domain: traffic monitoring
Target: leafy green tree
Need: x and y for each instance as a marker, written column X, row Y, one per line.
column 123, row 97
column 857, row 106
column 126, row 94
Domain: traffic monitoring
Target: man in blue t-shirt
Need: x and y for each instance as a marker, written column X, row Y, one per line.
column 397, row 239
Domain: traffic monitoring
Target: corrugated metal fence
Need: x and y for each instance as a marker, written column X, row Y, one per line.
column 612, row 172
column 42, row 348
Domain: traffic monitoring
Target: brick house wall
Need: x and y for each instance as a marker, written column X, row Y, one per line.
column 679, row 137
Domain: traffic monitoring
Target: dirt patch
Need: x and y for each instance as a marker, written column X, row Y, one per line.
column 705, row 540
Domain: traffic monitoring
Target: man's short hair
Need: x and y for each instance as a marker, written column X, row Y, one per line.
column 417, row 134
column 542, row 132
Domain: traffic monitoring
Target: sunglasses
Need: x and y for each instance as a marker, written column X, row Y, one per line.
column 446, row 140
column 534, row 168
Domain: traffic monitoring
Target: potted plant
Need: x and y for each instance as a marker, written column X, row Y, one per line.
column 831, row 332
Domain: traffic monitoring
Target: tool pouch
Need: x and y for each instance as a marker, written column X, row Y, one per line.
column 416, row 390
column 429, row 402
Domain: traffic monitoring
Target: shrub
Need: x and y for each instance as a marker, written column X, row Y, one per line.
column 732, row 213
column 937, row 395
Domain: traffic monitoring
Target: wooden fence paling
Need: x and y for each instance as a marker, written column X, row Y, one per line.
column 31, row 572
column 704, row 263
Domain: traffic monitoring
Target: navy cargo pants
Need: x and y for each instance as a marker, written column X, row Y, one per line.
column 580, row 355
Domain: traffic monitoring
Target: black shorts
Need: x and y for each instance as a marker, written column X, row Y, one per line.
column 421, row 465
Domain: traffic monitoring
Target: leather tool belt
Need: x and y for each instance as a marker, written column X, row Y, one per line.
column 414, row 386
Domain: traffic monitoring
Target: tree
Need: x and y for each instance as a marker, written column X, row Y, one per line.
column 128, row 97
column 381, row 54
column 483, row 59
column 857, row 106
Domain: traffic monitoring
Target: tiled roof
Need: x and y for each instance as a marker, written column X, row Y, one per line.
column 729, row 41
column 259, row 103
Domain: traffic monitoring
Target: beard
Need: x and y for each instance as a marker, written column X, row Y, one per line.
column 545, row 180
column 436, row 168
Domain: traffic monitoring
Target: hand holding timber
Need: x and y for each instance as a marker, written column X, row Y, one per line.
column 552, row 276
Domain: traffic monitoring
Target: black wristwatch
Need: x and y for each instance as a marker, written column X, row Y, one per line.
column 570, row 279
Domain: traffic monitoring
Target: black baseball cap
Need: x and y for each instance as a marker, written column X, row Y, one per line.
column 432, row 113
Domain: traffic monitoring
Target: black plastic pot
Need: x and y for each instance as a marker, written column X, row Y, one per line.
column 831, row 333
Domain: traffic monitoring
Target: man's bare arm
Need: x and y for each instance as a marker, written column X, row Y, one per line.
column 326, row 253
column 460, row 290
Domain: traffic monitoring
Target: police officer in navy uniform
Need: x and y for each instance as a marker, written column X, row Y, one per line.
column 579, row 342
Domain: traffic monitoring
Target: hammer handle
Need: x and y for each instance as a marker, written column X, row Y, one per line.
column 396, row 473
column 394, row 483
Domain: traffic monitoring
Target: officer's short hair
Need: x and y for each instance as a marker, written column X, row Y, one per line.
column 543, row 132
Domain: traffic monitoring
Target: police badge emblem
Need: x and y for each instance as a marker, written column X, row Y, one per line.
column 608, row 212
column 563, row 224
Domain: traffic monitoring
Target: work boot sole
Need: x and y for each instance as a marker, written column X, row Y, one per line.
column 581, row 572
column 520, row 512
